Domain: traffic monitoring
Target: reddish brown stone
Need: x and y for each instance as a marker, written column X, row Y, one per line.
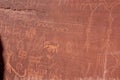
column 61, row 39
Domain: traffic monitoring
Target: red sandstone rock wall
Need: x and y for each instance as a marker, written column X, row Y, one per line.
column 61, row 39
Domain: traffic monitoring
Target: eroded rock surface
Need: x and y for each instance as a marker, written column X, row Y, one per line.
column 61, row 39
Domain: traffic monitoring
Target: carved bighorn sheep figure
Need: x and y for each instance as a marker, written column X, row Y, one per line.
column 51, row 47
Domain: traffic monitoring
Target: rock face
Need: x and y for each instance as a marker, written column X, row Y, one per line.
column 61, row 39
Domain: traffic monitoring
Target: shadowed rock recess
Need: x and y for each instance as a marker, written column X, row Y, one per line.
column 60, row 39
column 2, row 63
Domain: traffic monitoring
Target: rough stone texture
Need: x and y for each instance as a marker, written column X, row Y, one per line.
column 61, row 39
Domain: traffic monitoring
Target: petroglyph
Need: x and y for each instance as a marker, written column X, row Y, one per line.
column 51, row 47
column 77, row 40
